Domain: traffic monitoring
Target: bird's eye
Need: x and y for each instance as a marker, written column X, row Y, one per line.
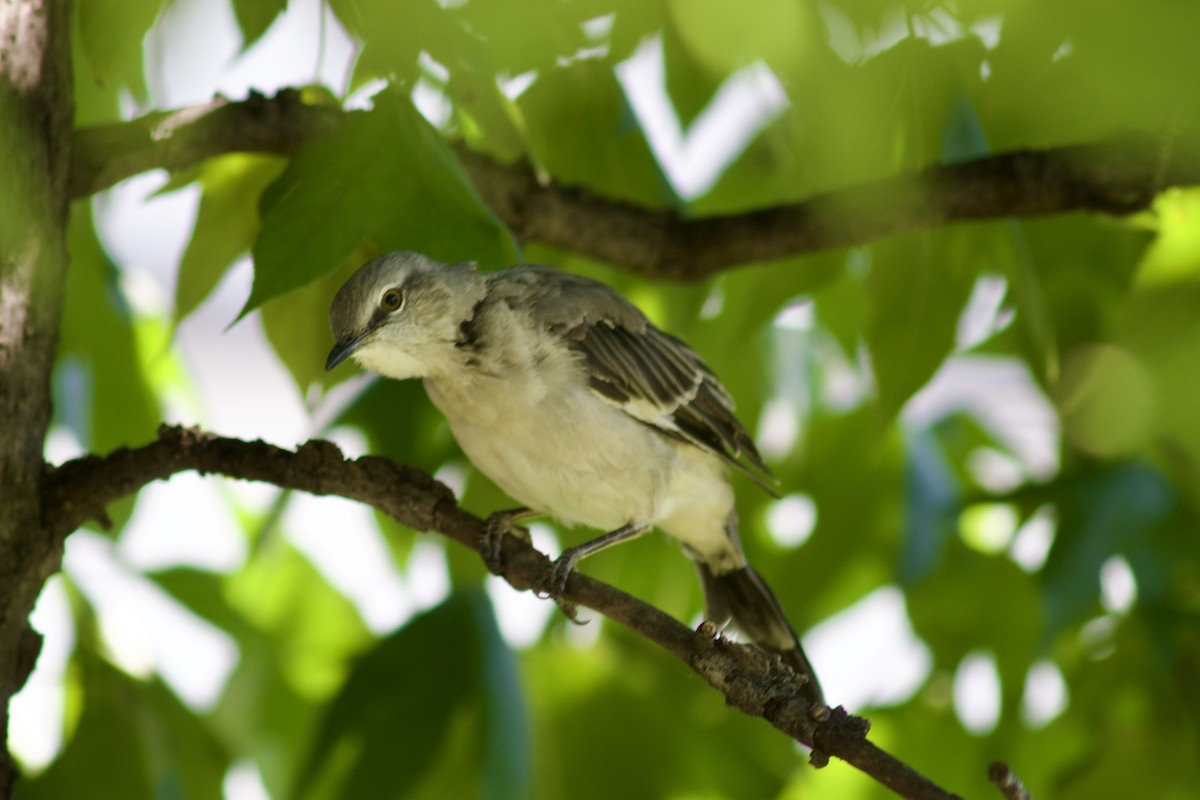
column 392, row 300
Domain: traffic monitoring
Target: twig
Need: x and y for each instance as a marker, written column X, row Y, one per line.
column 1007, row 782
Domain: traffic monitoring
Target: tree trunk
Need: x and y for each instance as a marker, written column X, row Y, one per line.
column 35, row 135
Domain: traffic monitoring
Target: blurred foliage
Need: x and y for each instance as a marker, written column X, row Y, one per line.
column 996, row 454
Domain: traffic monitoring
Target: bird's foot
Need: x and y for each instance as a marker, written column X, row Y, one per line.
column 499, row 524
column 556, row 584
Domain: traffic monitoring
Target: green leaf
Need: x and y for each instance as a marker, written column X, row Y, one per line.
column 385, row 177
column 1059, row 81
column 388, row 722
column 801, row 276
column 1035, row 325
column 226, row 223
column 282, row 592
column 297, row 326
column 581, row 132
column 724, row 37
column 954, row 611
column 112, row 32
column 1138, row 703
column 200, row 592
column 853, row 476
column 536, row 35
column 254, row 17
column 295, row 634
column 933, row 497
column 661, row 736
column 841, row 304
column 1101, row 513
column 964, row 138
column 1159, row 329
column 1083, row 268
column 393, row 34
column 918, row 286
column 136, row 741
column 938, row 483
column 102, row 392
column 506, row 763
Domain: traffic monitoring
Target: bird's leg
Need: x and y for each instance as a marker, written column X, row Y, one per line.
column 498, row 524
column 571, row 556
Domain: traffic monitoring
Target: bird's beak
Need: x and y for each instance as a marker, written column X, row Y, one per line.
column 343, row 350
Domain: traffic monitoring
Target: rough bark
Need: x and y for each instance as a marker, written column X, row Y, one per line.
column 35, row 138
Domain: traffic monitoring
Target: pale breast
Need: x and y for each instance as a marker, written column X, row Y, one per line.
column 563, row 453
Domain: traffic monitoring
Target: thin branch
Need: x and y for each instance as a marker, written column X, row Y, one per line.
column 1118, row 176
column 752, row 681
column 1007, row 782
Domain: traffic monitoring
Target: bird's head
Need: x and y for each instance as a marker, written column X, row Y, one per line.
column 400, row 314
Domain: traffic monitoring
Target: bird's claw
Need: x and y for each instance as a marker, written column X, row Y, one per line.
column 560, row 572
column 570, row 610
column 556, row 584
column 494, row 529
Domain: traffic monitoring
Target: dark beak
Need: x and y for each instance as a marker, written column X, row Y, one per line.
column 341, row 351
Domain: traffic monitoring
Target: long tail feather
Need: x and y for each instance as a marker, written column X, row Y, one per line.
column 743, row 596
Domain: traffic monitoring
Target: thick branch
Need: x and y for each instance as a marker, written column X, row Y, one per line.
column 35, row 137
column 751, row 680
column 1116, row 177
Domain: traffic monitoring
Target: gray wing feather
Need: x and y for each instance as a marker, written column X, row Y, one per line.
column 651, row 375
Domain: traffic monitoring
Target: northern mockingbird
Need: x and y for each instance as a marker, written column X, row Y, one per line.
column 563, row 393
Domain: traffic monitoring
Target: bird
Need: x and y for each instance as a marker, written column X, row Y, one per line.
column 567, row 397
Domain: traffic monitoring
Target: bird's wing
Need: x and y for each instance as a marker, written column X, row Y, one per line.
column 650, row 375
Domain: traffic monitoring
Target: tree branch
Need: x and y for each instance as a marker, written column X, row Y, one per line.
column 1117, row 176
column 753, row 681
column 104, row 155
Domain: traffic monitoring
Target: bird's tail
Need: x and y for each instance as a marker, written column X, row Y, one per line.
column 741, row 595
